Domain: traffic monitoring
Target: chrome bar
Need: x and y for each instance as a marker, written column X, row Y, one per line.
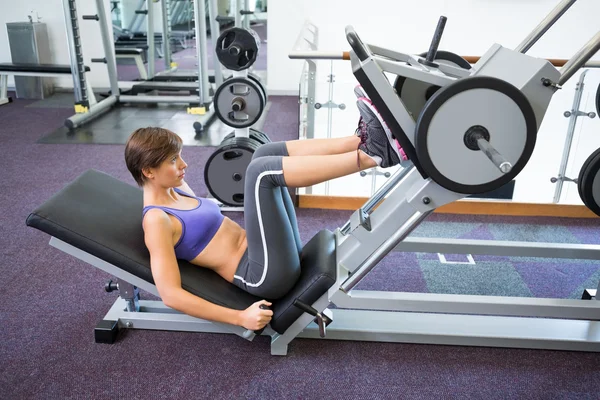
column 215, row 31
column 490, row 152
column 569, row 139
column 94, row 111
column 381, row 193
column 579, row 59
column 316, row 55
column 201, row 45
column 74, row 45
column 150, row 39
column 383, row 250
column 159, row 99
column 111, row 63
column 543, row 27
column 238, row 14
column 166, row 32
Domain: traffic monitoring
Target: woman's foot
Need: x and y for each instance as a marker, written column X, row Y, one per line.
column 376, row 138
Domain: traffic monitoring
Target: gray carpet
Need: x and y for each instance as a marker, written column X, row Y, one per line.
column 51, row 302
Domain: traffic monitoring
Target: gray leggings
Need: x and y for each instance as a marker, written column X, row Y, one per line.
column 271, row 265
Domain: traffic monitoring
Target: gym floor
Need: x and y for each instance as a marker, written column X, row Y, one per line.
column 51, row 302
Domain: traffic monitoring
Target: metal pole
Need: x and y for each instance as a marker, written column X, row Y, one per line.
column 133, row 24
column 569, row 139
column 215, row 31
column 238, row 13
column 579, row 59
column 111, row 63
column 200, row 17
column 166, row 33
column 150, row 38
column 75, row 55
column 383, row 250
column 381, row 193
column 246, row 20
column 543, row 27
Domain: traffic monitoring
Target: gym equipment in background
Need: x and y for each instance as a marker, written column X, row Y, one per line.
column 239, row 102
column 198, row 103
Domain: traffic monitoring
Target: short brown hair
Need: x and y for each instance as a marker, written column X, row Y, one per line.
column 148, row 148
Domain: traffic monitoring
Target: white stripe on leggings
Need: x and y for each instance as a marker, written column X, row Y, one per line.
column 262, row 230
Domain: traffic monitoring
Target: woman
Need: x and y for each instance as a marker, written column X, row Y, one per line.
column 263, row 259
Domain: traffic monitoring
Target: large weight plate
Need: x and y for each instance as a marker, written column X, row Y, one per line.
column 225, row 170
column 480, row 100
column 414, row 93
column 237, row 48
column 256, row 80
column 588, row 183
column 242, row 90
column 258, row 136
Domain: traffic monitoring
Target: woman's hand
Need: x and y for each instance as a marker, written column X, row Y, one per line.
column 255, row 317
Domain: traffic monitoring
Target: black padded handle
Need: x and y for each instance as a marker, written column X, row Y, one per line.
column 306, row 308
column 92, row 17
column 361, row 50
column 246, row 12
column 437, row 38
column 141, row 11
column 99, row 60
column 221, row 18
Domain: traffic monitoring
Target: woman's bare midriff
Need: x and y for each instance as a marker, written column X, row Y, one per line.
column 224, row 252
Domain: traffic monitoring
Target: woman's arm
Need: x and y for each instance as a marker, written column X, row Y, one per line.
column 165, row 271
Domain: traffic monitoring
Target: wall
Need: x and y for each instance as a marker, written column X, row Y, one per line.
column 51, row 13
column 472, row 26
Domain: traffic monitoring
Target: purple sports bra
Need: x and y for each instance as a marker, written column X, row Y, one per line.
column 198, row 225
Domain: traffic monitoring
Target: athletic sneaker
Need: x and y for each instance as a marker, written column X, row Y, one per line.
column 376, row 139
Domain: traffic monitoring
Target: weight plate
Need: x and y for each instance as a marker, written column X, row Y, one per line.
column 225, row 170
column 237, row 48
column 488, row 102
column 258, row 136
column 588, row 183
column 582, row 170
column 246, row 95
column 414, row 93
column 256, row 79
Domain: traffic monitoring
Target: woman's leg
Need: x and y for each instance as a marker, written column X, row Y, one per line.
column 271, row 266
column 280, row 149
column 316, row 147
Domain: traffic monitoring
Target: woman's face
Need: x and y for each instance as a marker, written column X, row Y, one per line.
column 170, row 173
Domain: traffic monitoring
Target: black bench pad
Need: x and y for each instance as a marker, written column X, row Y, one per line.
column 103, row 216
column 129, row 51
column 49, row 68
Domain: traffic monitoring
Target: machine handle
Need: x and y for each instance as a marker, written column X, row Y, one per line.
column 361, row 50
column 92, row 17
column 437, row 38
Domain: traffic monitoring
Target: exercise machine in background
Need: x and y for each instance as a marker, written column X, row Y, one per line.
column 198, row 103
